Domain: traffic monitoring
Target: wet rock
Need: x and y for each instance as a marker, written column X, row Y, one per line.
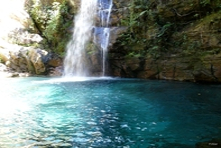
column 54, row 60
column 57, row 71
column 119, row 12
column 114, row 34
column 169, row 68
column 14, row 74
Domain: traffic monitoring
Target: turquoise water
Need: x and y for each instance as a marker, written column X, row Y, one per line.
column 107, row 113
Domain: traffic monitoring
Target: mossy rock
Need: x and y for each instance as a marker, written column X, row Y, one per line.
column 201, row 36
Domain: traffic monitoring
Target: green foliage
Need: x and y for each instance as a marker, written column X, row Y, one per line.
column 133, row 55
column 154, row 52
column 154, row 33
column 39, row 14
column 52, row 24
column 205, row 2
column 212, row 4
column 54, row 20
column 164, row 28
column 136, row 22
column 138, row 11
column 140, row 21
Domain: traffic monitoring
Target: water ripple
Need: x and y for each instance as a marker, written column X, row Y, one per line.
column 106, row 114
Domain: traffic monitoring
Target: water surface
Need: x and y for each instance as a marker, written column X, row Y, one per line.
column 106, row 113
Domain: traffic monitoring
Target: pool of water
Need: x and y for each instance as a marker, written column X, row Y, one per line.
column 107, row 112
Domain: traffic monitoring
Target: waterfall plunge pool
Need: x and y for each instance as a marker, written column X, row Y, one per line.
column 107, row 113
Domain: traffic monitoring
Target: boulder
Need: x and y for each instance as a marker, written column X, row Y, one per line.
column 36, row 57
column 28, row 59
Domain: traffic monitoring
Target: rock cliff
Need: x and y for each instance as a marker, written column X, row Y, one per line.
column 29, row 36
column 170, row 40
column 163, row 39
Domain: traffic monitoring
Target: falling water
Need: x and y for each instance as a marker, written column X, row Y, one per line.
column 104, row 46
column 105, row 7
column 75, row 63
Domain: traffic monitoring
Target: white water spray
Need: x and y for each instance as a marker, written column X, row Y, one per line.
column 75, row 62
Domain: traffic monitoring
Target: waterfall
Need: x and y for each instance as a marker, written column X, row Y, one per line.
column 76, row 60
column 105, row 7
column 104, row 47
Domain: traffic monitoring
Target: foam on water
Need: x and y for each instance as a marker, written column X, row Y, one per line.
column 73, row 79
